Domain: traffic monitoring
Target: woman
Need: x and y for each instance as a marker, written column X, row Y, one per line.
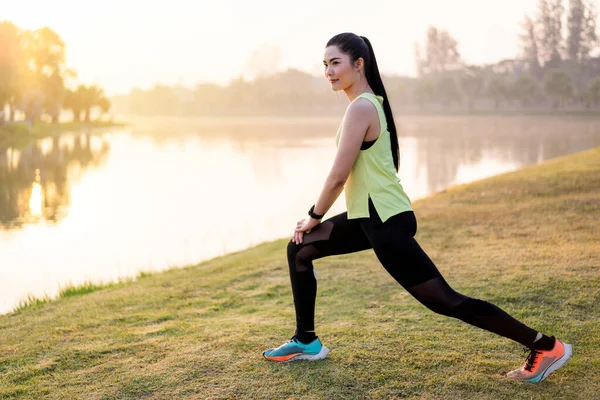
column 379, row 216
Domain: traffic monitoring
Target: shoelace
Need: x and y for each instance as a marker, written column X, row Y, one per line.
column 531, row 359
column 294, row 339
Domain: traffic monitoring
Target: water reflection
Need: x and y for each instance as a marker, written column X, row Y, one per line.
column 453, row 150
column 35, row 180
column 100, row 207
column 37, row 197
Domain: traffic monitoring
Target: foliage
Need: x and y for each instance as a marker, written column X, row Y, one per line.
column 558, row 86
column 34, row 76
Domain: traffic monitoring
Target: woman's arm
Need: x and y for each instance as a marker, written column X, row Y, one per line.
column 360, row 115
column 358, row 118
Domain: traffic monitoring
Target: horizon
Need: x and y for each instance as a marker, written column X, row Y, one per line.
column 160, row 47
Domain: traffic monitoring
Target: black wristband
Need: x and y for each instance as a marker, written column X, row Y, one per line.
column 313, row 215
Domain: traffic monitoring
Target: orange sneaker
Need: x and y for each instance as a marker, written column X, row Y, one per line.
column 540, row 363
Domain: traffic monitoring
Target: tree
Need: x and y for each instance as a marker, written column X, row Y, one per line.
column 575, row 25
column 447, row 90
column 420, row 63
column 558, row 86
column 549, row 37
column 104, row 105
column 33, row 76
column 163, row 100
column 90, row 97
column 593, row 91
column 11, row 64
column 84, row 99
column 43, row 68
column 32, row 104
column 498, row 90
column 423, row 92
column 582, row 36
column 589, row 35
column 53, row 87
column 525, row 91
column 529, row 43
column 45, row 50
column 71, row 102
column 472, row 85
column 441, row 52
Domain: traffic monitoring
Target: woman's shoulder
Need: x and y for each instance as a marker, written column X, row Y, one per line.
column 362, row 107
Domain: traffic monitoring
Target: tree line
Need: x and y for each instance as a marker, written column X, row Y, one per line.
column 555, row 68
column 34, row 78
column 558, row 66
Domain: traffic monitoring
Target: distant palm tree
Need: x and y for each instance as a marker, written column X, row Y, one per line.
column 84, row 99
column 72, row 103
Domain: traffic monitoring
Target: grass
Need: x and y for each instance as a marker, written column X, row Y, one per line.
column 526, row 241
column 71, row 289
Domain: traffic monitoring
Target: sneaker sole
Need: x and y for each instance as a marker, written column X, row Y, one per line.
column 309, row 357
column 555, row 365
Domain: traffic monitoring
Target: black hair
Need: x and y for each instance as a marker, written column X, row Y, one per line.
column 359, row 46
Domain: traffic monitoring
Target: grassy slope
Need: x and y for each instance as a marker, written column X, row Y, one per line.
column 527, row 241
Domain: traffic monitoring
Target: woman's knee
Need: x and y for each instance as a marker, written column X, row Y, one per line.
column 467, row 309
column 473, row 308
column 298, row 260
column 292, row 251
column 292, row 247
column 439, row 307
column 438, row 296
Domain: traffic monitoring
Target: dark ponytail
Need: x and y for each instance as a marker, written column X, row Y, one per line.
column 359, row 46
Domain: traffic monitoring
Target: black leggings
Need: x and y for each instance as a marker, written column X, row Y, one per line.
column 401, row 255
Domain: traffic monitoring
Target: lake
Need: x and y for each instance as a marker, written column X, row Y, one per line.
column 169, row 192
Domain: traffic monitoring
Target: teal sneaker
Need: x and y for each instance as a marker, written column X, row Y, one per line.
column 296, row 350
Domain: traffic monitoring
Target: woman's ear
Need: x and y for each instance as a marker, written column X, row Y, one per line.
column 360, row 63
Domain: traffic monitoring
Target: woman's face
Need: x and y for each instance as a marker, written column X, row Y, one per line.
column 339, row 70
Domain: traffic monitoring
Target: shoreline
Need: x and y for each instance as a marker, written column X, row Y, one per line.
column 20, row 132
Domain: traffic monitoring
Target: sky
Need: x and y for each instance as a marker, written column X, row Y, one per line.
column 130, row 43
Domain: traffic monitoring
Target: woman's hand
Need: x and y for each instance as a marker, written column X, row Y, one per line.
column 302, row 226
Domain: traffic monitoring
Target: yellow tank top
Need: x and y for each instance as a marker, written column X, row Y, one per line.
column 374, row 175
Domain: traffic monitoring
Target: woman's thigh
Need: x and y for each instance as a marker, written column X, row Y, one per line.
column 334, row 236
column 398, row 251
